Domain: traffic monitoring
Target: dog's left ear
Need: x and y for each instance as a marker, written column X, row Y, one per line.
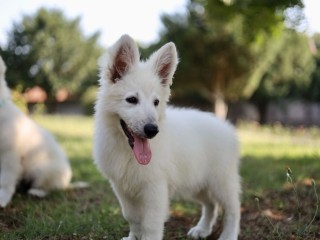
column 165, row 62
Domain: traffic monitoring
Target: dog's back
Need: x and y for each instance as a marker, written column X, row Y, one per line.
column 196, row 149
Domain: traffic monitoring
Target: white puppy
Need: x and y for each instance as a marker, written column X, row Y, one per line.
column 151, row 153
column 27, row 152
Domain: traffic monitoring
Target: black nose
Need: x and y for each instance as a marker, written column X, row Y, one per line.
column 151, row 130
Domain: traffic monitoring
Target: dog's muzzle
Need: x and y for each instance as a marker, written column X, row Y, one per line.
column 140, row 144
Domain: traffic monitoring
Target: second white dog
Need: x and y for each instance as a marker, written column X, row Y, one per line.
column 151, row 153
column 27, row 152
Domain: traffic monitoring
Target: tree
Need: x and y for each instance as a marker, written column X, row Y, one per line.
column 208, row 63
column 221, row 45
column 289, row 74
column 50, row 51
column 312, row 93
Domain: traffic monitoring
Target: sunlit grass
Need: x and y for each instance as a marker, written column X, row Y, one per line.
column 268, row 151
column 279, row 142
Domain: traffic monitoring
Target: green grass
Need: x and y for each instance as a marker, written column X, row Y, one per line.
column 268, row 151
column 94, row 213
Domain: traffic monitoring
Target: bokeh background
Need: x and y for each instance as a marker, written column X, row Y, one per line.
column 244, row 60
column 255, row 63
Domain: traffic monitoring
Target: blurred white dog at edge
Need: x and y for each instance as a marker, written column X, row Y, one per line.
column 27, row 152
column 151, row 152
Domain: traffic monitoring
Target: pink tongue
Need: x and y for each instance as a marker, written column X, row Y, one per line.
column 141, row 150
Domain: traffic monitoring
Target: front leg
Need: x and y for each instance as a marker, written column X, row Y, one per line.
column 11, row 170
column 147, row 212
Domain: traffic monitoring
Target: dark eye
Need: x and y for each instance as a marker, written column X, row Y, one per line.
column 132, row 100
column 156, row 102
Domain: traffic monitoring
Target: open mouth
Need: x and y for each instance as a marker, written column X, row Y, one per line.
column 139, row 145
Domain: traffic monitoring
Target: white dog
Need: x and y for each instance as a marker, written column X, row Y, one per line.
column 150, row 153
column 27, row 152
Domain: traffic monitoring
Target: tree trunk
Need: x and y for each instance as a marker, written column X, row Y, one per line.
column 220, row 107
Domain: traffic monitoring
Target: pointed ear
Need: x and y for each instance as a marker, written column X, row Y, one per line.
column 165, row 62
column 122, row 56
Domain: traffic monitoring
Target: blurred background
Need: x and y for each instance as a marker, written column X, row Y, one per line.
column 245, row 60
column 254, row 62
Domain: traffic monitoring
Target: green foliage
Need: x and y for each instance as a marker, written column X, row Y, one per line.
column 227, row 47
column 212, row 59
column 259, row 18
column 19, row 100
column 285, row 73
column 39, row 108
column 88, row 99
column 50, row 51
column 290, row 73
column 313, row 93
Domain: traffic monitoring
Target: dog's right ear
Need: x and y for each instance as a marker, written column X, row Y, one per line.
column 122, row 56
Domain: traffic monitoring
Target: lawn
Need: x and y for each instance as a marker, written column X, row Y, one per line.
column 272, row 206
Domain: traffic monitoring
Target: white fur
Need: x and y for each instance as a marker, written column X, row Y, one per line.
column 194, row 155
column 27, row 152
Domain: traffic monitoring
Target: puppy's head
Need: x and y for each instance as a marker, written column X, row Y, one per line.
column 136, row 92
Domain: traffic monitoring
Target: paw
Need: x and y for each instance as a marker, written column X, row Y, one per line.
column 37, row 192
column 198, row 232
column 5, row 198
